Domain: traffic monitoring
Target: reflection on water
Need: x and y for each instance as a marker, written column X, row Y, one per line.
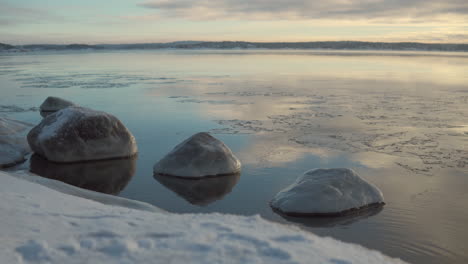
column 398, row 118
column 106, row 176
column 347, row 219
column 200, row 191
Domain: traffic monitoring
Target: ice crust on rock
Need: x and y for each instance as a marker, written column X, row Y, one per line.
column 327, row 192
column 54, row 104
column 201, row 155
column 13, row 144
column 76, row 134
column 42, row 225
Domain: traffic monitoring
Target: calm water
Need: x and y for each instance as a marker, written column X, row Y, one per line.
column 398, row 118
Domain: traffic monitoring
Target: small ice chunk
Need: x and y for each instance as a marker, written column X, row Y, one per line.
column 201, row 155
column 54, row 104
column 76, row 134
column 327, row 192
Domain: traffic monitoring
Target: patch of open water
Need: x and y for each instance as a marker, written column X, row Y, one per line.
column 398, row 120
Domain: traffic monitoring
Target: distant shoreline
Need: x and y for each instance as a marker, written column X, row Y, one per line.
column 241, row 45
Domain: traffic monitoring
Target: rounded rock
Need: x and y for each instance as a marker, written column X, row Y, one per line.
column 201, row 155
column 13, row 144
column 327, row 192
column 53, row 104
column 76, row 134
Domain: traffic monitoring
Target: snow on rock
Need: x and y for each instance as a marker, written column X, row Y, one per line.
column 200, row 191
column 327, row 192
column 105, row 176
column 54, row 104
column 13, row 144
column 40, row 225
column 76, row 134
column 201, row 155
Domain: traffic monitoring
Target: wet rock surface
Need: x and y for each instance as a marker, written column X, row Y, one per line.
column 76, row 134
column 327, row 192
column 201, row 155
column 53, row 104
column 13, row 144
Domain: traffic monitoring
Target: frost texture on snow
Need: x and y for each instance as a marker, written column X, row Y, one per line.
column 13, row 144
column 40, row 225
column 327, row 192
column 76, row 134
column 201, row 155
column 54, row 104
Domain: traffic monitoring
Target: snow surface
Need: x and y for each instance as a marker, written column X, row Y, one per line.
column 40, row 225
column 53, row 104
column 81, row 134
column 327, row 191
column 13, row 144
column 201, row 155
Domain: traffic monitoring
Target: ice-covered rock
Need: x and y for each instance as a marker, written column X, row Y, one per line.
column 44, row 225
column 13, row 144
column 105, row 176
column 53, row 104
column 201, row 155
column 327, row 192
column 76, row 134
column 201, row 191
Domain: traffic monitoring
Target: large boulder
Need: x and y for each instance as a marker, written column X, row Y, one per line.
column 104, row 176
column 327, row 192
column 201, row 191
column 201, row 155
column 76, row 134
column 13, row 144
column 53, row 104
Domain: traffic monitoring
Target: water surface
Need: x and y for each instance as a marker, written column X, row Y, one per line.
column 398, row 118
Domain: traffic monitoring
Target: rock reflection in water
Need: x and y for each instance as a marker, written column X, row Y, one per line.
column 106, row 176
column 325, row 221
column 200, row 191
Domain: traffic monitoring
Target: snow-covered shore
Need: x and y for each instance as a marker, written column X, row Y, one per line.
column 45, row 221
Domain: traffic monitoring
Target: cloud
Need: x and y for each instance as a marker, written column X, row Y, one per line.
column 14, row 15
column 309, row 9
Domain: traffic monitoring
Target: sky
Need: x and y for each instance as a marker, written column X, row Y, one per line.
column 140, row 21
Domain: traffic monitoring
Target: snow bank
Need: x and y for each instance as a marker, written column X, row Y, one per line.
column 201, row 155
column 13, row 144
column 40, row 225
column 78, row 134
column 327, row 192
